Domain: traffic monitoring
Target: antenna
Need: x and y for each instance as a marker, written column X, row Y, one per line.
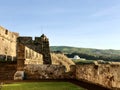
column 41, row 29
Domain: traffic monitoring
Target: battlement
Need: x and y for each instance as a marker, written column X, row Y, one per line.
column 11, row 36
column 29, row 40
column 40, row 45
column 25, row 40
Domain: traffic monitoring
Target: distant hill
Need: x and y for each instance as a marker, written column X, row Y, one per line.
column 89, row 53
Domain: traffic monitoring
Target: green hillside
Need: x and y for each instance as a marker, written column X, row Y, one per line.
column 89, row 53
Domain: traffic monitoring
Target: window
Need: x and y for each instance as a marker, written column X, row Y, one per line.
column 6, row 32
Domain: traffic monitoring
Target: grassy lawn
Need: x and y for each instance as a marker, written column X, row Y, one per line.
column 41, row 86
column 79, row 61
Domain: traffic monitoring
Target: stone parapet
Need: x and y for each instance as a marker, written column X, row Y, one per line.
column 26, row 55
column 107, row 75
column 36, row 72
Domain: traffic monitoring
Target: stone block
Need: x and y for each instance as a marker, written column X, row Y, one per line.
column 19, row 75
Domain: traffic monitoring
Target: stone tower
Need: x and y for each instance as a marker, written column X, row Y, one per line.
column 40, row 45
column 46, row 50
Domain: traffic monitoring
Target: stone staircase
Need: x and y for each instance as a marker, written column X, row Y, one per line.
column 7, row 71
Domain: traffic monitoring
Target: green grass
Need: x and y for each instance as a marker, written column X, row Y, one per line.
column 41, row 86
column 79, row 61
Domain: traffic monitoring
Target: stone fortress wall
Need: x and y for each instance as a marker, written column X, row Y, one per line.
column 10, row 42
column 40, row 45
column 32, row 57
column 28, row 63
column 26, row 55
column 7, row 44
column 106, row 75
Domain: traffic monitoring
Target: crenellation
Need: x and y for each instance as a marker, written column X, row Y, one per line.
column 37, row 40
column 25, row 40
column 11, row 36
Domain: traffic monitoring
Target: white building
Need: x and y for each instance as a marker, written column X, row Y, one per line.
column 76, row 57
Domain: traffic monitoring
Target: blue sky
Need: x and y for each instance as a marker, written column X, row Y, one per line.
column 78, row 23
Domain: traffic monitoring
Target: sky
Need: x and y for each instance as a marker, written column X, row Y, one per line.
column 77, row 23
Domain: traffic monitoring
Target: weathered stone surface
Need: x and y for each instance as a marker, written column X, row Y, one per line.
column 71, row 74
column 19, row 75
column 7, row 71
column 44, row 71
column 7, row 44
column 107, row 75
column 61, row 59
column 40, row 45
column 27, row 56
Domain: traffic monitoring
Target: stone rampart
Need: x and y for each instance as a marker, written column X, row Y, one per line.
column 61, row 59
column 7, row 70
column 36, row 72
column 7, row 44
column 32, row 57
column 26, row 55
column 107, row 75
column 40, row 45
